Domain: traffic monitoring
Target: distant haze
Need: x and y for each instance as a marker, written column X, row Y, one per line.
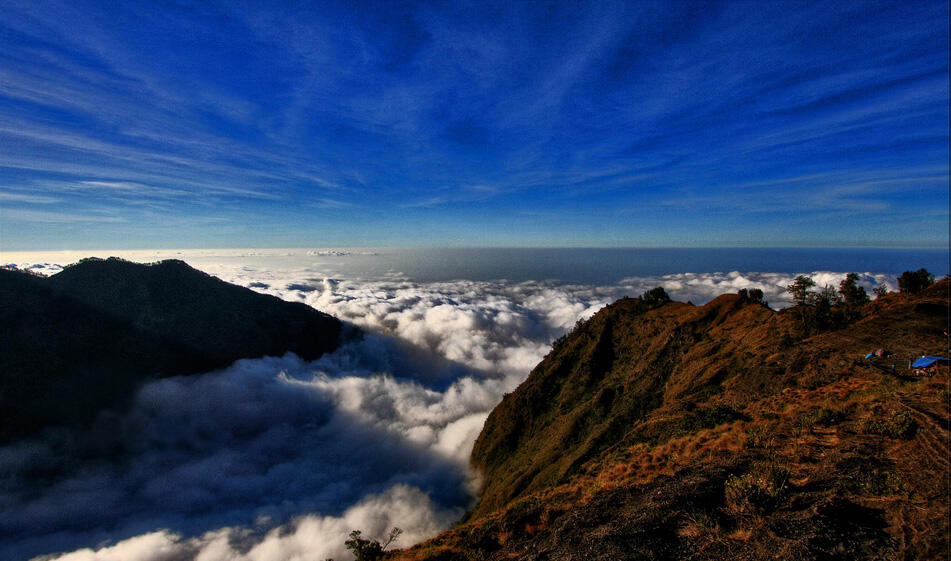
column 570, row 265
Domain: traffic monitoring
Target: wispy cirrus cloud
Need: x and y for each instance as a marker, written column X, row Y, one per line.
column 864, row 191
column 115, row 185
column 332, row 204
column 24, row 215
column 592, row 107
column 27, row 198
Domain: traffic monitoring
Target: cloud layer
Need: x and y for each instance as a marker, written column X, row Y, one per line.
column 307, row 537
column 276, row 457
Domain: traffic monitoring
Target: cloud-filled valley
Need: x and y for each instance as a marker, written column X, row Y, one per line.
column 276, row 457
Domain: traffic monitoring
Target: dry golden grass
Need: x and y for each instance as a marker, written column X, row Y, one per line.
column 810, row 424
column 643, row 464
column 740, row 534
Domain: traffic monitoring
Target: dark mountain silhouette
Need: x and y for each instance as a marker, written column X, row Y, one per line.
column 667, row 431
column 86, row 338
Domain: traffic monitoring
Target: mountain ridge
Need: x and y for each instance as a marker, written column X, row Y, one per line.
column 84, row 339
column 672, row 431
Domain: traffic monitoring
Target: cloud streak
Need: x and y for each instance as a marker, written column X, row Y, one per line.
column 577, row 110
column 28, row 198
column 45, row 217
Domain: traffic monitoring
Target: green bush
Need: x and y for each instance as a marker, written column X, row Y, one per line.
column 758, row 491
column 913, row 282
column 655, row 296
column 760, row 436
column 822, row 416
column 879, row 482
column 754, row 295
column 901, row 425
column 702, row 526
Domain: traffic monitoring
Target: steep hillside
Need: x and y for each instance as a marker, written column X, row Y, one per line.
column 610, row 373
column 84, row 339
column 680, row 432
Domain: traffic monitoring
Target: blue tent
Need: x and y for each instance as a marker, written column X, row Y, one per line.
column 928, row 361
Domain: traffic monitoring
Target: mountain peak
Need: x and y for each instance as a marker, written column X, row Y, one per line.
column 86, row 337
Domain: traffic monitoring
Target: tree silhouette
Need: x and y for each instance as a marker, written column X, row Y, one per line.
column 656, row 296
column 800, row 291
column 913, row 282
column 752, row 295
column 853, row 296
column 369, row 550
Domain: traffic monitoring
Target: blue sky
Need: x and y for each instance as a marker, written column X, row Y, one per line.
column 272, row 124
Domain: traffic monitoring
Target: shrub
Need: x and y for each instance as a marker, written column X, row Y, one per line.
column 656, row 296
column 828, row 417
column 879, row 482
column 758, row 491
column 787, row 341
column 576, row 330
column 752, row 295
column 760, row 436
column 719, row 415
column 702, row 526
column 913, row 282
column 823, row 416
column 901, row 425
column 880, row 290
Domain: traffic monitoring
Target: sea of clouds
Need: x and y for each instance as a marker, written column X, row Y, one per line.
column 279, row 459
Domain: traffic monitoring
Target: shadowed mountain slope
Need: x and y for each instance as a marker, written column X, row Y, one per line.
column 670, row 431
column 85, row 338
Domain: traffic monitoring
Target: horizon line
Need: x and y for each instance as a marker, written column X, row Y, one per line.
column 908, row 247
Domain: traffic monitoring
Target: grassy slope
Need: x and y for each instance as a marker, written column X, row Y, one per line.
column 707, row 432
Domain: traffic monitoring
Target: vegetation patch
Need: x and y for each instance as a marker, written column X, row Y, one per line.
column 761, row 436
column 900, row 426
column 944, row 396
column 701, row 526
column 698, row 419
column 879, row 482
column 823, row 417
column 758, row 491
column 369, row 550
